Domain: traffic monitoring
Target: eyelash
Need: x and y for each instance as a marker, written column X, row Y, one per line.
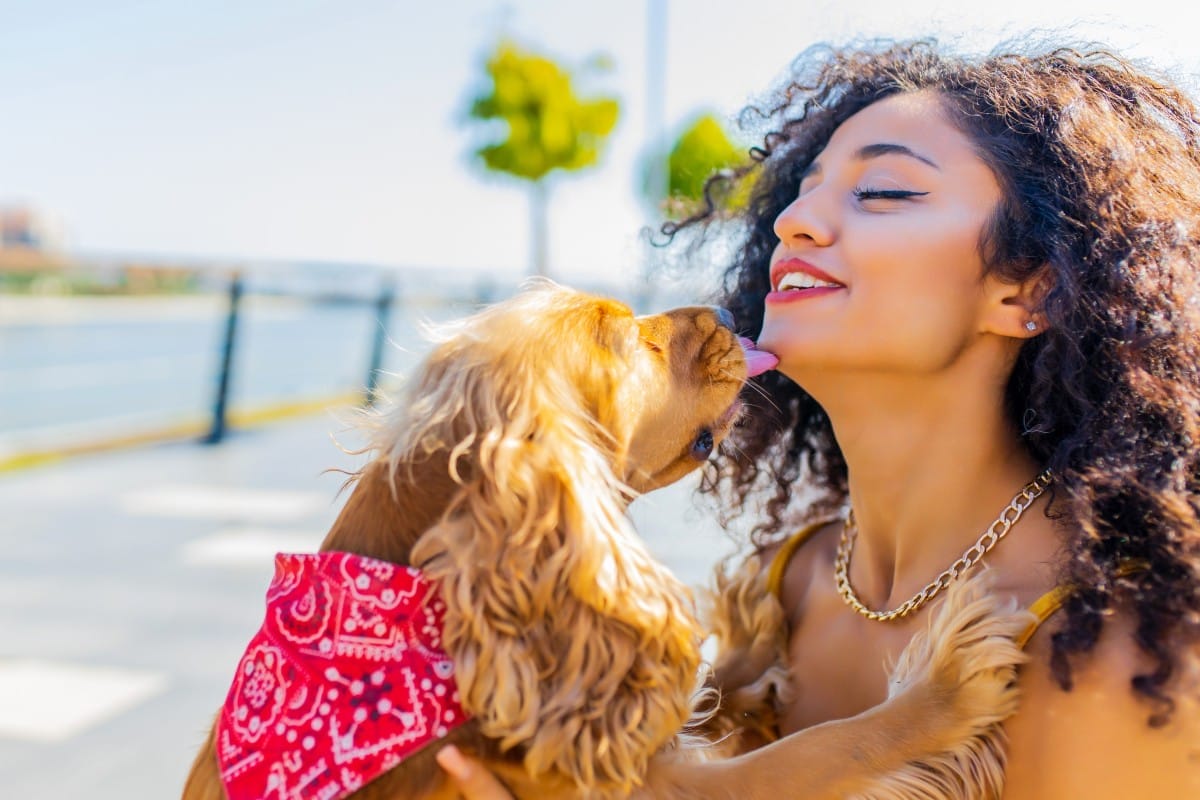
column 868, row 193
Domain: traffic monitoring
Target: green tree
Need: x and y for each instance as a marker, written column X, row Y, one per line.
column 546, row 126
column 701, row 151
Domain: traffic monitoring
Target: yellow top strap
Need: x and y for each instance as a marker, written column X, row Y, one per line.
column 780, row 562
column 1045, row 606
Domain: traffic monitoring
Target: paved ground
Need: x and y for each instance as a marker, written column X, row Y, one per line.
column 130, row 582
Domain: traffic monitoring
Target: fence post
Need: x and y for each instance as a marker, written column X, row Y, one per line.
column 383, row 313
column 217, row 432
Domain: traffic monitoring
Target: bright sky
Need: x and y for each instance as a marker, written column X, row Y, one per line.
column 312, row 130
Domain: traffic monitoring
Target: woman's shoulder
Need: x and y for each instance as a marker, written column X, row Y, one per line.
column 1095, row 740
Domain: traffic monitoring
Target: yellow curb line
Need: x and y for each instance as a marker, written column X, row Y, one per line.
column 193, row 428
column 298, row 408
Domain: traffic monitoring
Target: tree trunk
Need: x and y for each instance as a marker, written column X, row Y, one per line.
column 540, row 226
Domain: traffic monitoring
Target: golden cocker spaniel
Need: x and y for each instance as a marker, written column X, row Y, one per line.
column 548, row 641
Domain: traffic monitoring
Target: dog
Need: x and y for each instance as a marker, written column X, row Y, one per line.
column 544, row 638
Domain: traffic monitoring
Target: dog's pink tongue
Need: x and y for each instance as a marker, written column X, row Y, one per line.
column 757, row 361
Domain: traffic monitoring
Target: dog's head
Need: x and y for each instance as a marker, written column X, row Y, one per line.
column 654, row 395
column 682, row 393
column 573, row 647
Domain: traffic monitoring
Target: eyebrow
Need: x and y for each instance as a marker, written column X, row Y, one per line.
column 870, row 151
column 886, row 148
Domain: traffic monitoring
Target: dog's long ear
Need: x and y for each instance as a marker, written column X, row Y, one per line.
column 571, row 644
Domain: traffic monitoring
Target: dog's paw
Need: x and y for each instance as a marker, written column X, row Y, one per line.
column 965, row 662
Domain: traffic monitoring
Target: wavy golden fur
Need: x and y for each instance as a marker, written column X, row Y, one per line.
column 554, row 602
column 504, row 474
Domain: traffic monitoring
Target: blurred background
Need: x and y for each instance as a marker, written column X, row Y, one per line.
column 222, row 226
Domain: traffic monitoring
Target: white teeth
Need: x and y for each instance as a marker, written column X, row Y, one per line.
column 801, row 280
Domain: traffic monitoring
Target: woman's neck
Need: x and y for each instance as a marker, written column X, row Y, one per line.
column 929, row 470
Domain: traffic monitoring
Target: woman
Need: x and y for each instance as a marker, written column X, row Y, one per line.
column 980, row 279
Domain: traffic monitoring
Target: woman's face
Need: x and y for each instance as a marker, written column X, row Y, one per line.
column 885, row 229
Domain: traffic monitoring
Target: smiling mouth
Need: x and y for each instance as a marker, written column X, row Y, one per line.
column 787, row 294
column 797, row 275
column 799, row 281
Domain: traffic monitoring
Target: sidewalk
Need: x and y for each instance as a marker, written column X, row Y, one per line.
column 131, row 581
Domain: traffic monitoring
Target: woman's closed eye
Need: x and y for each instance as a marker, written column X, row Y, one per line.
column 870, row 193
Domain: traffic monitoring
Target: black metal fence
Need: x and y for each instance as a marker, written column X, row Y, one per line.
column 236, row 346
column 381, row 304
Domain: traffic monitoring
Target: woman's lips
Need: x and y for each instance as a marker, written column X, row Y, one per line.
column 788, row 266
column 757, row 361
column 792, row 295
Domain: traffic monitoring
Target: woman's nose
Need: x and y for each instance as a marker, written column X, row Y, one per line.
column 805, row 218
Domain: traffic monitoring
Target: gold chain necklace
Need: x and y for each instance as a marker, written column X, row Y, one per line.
column 990, row 538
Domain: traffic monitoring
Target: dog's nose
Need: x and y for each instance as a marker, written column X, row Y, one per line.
column 725, row 317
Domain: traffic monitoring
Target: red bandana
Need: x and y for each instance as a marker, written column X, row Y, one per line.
column 345, row 679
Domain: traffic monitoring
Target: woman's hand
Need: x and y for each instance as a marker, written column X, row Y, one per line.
column 472, row 779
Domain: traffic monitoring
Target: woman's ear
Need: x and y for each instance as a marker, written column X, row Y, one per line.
column 1013, row 309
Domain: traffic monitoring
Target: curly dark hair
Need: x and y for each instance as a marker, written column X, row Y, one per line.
column 1099, row 167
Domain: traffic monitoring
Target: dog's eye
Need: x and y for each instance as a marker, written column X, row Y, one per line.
column 703, row 446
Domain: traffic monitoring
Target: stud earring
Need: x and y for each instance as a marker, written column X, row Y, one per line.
column 1031, row 326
